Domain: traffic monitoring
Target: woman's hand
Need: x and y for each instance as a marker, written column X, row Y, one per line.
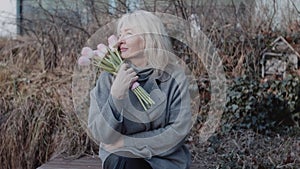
column 123, row 81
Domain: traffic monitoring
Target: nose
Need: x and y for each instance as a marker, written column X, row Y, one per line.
column 121, row 40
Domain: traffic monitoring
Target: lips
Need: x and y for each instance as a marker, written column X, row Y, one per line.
column 123, row 49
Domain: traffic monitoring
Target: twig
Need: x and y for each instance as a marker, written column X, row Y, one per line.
column 289, row 165
column 273, row 15
column 271, row 160
column 298, row 11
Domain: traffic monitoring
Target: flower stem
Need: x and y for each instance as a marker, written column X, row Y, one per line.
column 118, row 54
column 145, row 95
column 115, row 57
column 140, row 100
column 108, row 60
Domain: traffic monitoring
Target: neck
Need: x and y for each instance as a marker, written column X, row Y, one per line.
column 139, row 61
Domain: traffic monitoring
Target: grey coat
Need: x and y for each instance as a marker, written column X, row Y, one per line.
column 158, row 134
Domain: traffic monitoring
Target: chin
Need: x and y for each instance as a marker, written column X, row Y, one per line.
column 124, row 56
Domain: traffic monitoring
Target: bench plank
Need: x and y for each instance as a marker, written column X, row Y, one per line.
column 85, row 162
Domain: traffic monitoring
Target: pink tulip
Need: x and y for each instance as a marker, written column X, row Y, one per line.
column 112, row 41
column 102, row 48
column 88, row 52
column 135, row 85
column 83, row 61
column 98, row 53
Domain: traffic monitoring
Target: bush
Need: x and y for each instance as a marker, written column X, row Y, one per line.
column 262, row 105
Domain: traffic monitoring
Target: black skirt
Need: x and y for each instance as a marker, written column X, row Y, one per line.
column 114, row 161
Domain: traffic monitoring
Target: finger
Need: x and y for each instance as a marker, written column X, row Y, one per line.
column 134, row 79
column 132, row 74
column 131, row 78
column 124, row 66
column 130, row 70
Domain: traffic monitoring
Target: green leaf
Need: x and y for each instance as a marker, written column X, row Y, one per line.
column 234, row 107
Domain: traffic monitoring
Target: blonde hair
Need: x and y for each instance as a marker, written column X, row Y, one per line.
column 152, row 30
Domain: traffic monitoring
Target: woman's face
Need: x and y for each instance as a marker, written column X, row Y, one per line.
column 130, row 42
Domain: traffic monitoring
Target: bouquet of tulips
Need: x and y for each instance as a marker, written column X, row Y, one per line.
column 108, row 58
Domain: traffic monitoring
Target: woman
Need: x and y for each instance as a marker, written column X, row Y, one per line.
column 130, row 137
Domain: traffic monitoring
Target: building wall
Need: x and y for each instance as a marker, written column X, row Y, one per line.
column 8, row 13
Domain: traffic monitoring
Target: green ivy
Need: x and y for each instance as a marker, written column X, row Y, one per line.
column 261, row 105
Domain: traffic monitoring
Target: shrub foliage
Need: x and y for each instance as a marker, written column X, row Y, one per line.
column 262, row 105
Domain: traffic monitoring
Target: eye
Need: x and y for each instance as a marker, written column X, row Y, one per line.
column 127, row 34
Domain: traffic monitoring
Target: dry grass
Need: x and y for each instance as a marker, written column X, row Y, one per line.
column 247, row 149
column 36, row 116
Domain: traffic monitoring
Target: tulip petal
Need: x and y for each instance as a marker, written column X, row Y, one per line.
column 103, row 48
column 135, row 85
column 99, row 53
column 83, row 61
column 87, row 51
column 112, row 41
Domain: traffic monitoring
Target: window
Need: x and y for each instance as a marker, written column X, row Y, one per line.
column 132, row 5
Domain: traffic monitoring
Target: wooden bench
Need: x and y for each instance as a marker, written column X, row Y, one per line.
column 86, row 162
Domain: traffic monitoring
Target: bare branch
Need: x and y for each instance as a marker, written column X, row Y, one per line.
column 273, row 15
column 298, row 11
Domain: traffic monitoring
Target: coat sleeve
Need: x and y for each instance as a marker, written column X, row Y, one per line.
column 105, row 119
